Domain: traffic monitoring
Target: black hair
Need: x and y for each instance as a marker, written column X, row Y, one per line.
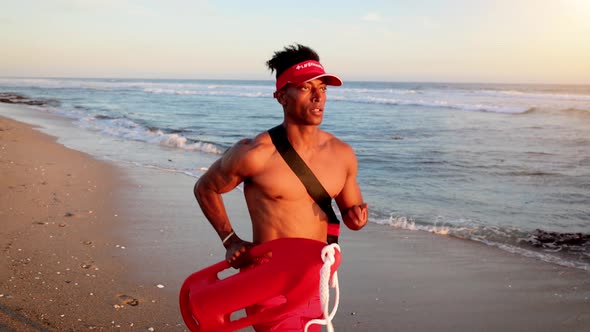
column 290, row 56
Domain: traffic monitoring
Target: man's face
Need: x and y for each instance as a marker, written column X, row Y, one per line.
column 304, row 103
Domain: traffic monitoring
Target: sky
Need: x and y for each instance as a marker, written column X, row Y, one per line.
column 500, row 41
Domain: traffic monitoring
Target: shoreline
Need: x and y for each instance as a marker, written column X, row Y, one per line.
column 146, row 230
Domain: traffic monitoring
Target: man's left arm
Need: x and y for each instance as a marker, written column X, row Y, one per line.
column 355, row 212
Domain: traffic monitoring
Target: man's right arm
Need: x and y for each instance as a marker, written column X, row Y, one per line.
column 208, row 190
column 223, row 176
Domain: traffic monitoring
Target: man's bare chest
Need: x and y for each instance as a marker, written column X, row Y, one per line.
column 278, row 181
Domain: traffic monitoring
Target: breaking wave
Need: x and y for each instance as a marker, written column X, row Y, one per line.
column 565, row 249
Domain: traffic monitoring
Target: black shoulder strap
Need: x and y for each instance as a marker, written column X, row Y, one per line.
column 314, row 188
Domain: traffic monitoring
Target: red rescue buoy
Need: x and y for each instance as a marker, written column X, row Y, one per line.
column 290, row 267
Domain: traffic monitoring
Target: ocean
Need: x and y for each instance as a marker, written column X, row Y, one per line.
column 506, row 165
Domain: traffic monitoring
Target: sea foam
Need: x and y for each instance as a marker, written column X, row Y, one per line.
column 129, row 129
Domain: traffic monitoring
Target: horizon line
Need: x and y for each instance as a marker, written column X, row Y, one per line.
column 272, row 80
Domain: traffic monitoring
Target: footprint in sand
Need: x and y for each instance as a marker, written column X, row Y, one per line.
column 129, row 300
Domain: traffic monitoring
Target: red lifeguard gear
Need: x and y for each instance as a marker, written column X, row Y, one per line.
column 291, row 268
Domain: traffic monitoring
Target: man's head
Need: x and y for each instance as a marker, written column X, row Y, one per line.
column 297, row 64
column 301, row 84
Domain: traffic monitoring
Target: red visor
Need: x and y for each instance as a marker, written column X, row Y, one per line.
column 304, row 72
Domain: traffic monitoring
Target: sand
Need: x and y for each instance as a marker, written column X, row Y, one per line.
column 62, row 265
column 86, row 243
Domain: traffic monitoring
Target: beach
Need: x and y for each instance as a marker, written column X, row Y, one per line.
column 65, row 264
column 89, row 244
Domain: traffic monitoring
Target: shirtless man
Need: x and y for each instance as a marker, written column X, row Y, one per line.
column 277, row 201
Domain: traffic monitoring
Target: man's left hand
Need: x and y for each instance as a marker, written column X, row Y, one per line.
column 357, row 216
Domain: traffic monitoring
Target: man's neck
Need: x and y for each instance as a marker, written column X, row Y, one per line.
column 303, row 138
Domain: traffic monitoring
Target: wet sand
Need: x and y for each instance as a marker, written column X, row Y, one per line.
column 85, row 245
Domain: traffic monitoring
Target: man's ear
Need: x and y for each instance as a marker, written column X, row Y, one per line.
column 281, row 97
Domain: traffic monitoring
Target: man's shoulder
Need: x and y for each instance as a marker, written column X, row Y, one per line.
column 252, row 148
column 336, row 144
column 249, row 155
column 260, row 143
column 252, row 144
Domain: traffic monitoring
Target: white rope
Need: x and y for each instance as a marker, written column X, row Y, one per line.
column 328, row 253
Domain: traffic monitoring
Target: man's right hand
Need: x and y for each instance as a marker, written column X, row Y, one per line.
column 238, row 253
